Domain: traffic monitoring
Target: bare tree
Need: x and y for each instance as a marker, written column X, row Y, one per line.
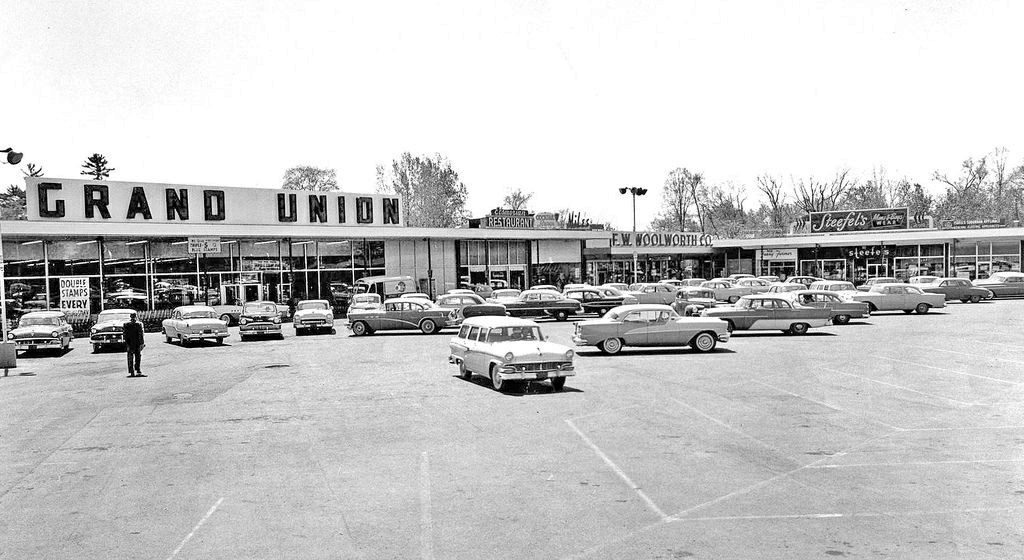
column 432, row 194
column 771, row 188
column 818, row 195
column 516, row 199
column 96, row 166
column 683, row 189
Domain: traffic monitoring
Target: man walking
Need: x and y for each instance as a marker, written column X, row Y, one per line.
column 134, row 343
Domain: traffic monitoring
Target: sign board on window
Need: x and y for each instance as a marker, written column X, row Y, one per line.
column 777, row 254
column 74, row 296
column 200, row 245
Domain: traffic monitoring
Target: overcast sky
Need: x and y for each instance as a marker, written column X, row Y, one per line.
column 569, row 100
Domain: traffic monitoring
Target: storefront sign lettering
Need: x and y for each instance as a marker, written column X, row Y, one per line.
column 85, row 200
column 510, row 222
column 984, row 223
column 864, row 252
column 859, row 220
column 777, row 254
column 644, row 239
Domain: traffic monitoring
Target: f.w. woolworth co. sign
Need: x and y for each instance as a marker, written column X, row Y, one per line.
column 78, row 200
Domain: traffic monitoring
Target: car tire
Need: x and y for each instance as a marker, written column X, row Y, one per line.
column 922, row 308
column 464, row 372
column 558, row 383
column 220, row 340
column 167, row 337
column 872, row 307
column 704, row 342
column 561, row 315
column 729, row 326
column 181, row 341
column 908, row 311
column 428, row 327
column 96, row 348
column 965, row 299
column 496, row 382
column 226, row 318
column 841, row 319
column 611, row 346
column 799, row 328
column 360, row 328
column 975, row 299
column 734, row 299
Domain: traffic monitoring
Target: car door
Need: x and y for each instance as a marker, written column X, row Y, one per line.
column 458, row 345
column 474, row 359
column 897, row 297
column 389, row 318
column 634, row 328
column 171, row 326
column 662, row 330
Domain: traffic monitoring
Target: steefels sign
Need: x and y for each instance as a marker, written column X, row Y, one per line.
column 860, row 220
column 88, row 200
column 646, row 239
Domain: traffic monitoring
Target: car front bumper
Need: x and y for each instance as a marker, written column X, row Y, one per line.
column 314, row 324
column 204, row 335
column 514, row 374
column 260, row 328
column 37, row 343
column 580, row 341
column 106, row 339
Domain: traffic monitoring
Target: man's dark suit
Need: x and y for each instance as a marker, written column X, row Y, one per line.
column 133, row 337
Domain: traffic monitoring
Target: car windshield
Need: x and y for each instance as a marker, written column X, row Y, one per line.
column 312, row 305
column 114, row 317
column 31, row 321
column 259, row 308
column 507, row 334
column 198, row 314
column 842, row 287
column 366, row 298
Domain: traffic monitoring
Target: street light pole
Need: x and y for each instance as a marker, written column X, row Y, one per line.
column 635, row 192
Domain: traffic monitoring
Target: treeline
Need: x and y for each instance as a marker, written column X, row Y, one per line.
column 989, row 187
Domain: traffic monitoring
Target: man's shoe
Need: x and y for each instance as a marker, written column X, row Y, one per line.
column 140, row 375
column 130, row 375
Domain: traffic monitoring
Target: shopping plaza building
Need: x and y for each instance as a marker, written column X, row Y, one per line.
column 153, row 246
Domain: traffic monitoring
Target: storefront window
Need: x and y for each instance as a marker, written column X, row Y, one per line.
column 336, row 255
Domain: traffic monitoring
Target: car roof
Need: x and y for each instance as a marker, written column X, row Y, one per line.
column 185, row 308
column 255, row 301
column 313, row 301
column 642, row 307
column 832, row 282
column 542, row 291
column 767, row 296
column 812, row 292
column 118, row 310
column 49, row 313
column 491, row 321
column 407, row 300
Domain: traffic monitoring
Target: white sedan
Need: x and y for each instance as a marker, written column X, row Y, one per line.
column 189, row 323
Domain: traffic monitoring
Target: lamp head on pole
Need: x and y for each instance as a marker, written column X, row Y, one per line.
column 622, row 190
column 13, row 158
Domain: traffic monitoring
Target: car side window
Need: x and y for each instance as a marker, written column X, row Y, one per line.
column 473, row 332
column 633, row 317
column 464, row 331
column 532, row 297
column 779, row 304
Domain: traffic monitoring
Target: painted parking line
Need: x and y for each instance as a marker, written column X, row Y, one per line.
column 621, row 474
column 827, row 405
column 911, row 513
column 192, row 533
column 900, row 387
column 986, row 356
column 997, row 380
column 426, row 517
column 732, row 429
column 918, row 463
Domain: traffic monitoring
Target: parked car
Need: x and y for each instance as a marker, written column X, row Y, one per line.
column 545, row 287
column 1003, row 284
column 653, row 292
column 542, row 303
column 958, row 288
column 509, row 351
column 770, row 312
column 483, row 290
column 842, row 288
column 674, row 282
column 599, row 300
column 691, row 300
column 769, row 279
column 416, row 295
column 568, row 287
column 650, row 325
column 469, row 305
column 460, row 291
column 878, row 280
column 504, row 296
column 38, row 330
column 364, row 301
column 900, row 297
column 735, row 277
column 259, row 318
column 109, row 328
column 189, row 323
column 400, row 314
column 756, row 285
column 312, row 315
column 616, row 285
column 694, row 281
column 726, row 291
column 922, row 279
column 784, row 287
column 805, row 280
column 842, row 308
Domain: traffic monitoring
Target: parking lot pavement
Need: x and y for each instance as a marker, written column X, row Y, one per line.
column 896, row 436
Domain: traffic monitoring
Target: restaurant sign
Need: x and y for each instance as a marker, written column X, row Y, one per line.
column 876, row 219
column 88, row 200
column 658, row 239
column 506, row 218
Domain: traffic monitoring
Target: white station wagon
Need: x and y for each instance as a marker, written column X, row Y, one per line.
column 509, row 351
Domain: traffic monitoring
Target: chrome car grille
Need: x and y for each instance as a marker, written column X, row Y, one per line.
column 540, row 366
